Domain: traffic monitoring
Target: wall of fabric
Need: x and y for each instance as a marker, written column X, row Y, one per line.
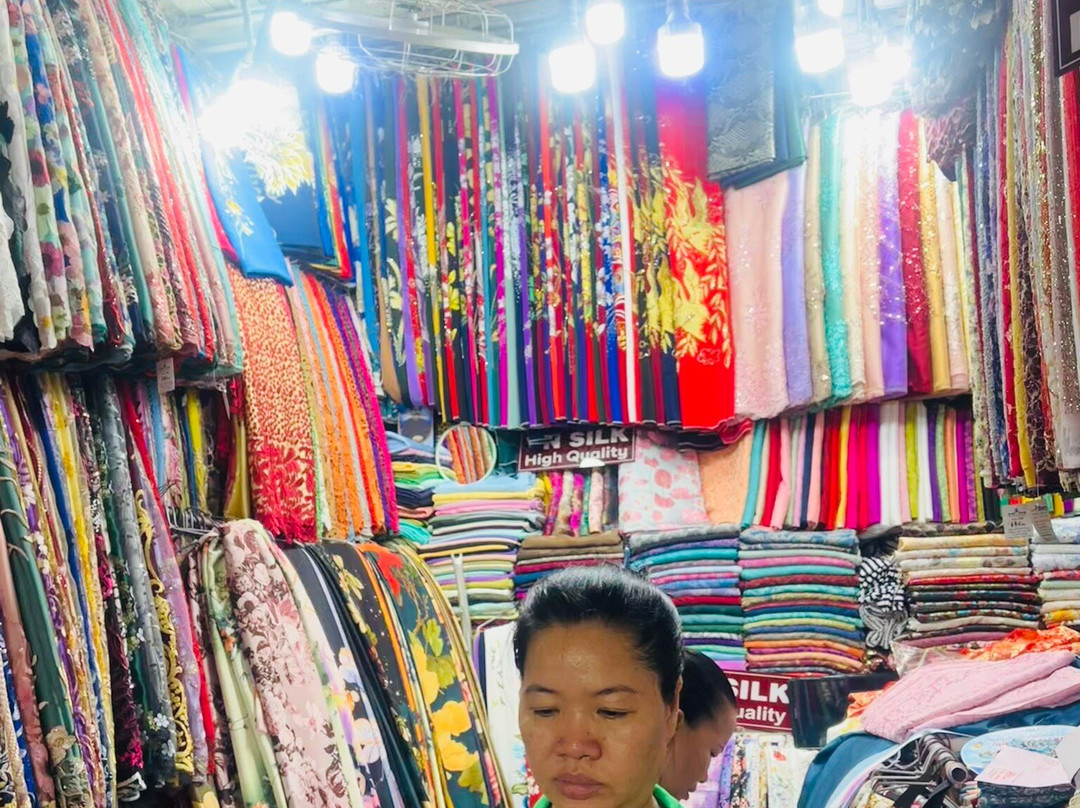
column 136, row 658
column 311, row 458
column 113, row 253
column 529, row 258
column 1020, row 175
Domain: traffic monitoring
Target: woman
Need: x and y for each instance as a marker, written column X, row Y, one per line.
column 600, row 656
column 709, row 714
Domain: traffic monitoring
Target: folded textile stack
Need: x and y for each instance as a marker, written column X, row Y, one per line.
column 800, row 592
column 540, row 556
column 1058, row 566
column 969, row 587
column 482, row 524
column 581, row 502
column 699, row 569
column 881, row 601
column 415, row 477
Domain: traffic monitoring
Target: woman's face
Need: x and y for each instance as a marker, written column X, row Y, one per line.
column 693, row 751
column 595, row 727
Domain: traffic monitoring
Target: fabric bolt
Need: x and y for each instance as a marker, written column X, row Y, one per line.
column 754, row 216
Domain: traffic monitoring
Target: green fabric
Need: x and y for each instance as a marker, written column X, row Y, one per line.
column 663, row 799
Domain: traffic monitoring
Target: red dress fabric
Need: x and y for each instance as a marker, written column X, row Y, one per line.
column 920, row 374
column 698, row 255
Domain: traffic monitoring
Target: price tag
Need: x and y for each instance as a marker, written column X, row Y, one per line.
column 1039, row 516
column 1017, row 522
column 166, row 376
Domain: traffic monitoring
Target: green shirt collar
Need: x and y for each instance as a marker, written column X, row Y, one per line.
column 663, row 799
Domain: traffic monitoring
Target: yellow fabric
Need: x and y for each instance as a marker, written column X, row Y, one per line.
column 935, row 289
column 238, row 503
column 911, row 443
column 845, row 439
column 1014, row 282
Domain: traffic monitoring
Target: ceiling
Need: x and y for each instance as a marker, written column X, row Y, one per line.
column 218, row 25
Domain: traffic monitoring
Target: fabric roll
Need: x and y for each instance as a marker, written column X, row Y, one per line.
column 814, row 282
column 754, row 217
column 797, row 362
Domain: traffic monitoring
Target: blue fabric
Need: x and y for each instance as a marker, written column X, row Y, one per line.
column 755, row 472
column 242, row 218
column 850, row 752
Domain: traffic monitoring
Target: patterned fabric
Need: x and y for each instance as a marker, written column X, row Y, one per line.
column 661, row 489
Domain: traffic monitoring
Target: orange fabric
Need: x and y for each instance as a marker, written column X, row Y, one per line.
column 281, row 454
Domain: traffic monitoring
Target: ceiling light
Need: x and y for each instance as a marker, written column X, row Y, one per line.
column 868, row 86
column 335, row 72
column 605, row 21
column 290, row 34
column 820, row 51
column 680, row 45
column 833, row 8
column 893, row 61
column 573, row 66
column 252, row 102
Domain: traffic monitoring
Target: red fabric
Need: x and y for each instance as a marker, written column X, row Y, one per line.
column 976, row 580
column 854, row 468
column 832, row 424
column 698, row 257
column 920, row 372
column 772, row 477
column 789, row 580
column 707, row 601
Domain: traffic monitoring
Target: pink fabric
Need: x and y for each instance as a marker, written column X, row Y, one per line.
column 813, row 502
column 1060, row 688
column 754, row 219
column 936, row 694
column 661, row 488
column 783, row 493
column 795, row 560
column 484, row 506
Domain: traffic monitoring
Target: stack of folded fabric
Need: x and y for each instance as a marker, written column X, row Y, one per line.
column 415, row 477
column 482, row 524
column 881, row 602
column 541, row 556
column 698, row 568
column 800, row 592
column 1058, row 566
column 963, row 588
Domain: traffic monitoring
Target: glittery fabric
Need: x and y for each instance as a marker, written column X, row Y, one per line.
column 754, row 227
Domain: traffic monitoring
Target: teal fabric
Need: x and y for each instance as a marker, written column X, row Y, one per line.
column 755, row 472
column 836, row 330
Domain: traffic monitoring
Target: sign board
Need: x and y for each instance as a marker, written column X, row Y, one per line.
column 1029, row 520
column 763, row 701
column 554, row 449
column 1066, row 18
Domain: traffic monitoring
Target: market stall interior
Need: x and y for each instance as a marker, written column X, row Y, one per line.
column 330, row 331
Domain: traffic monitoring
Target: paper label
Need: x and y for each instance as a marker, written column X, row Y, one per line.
column 1017, row 522
column 1039, row 516
column 166, row 376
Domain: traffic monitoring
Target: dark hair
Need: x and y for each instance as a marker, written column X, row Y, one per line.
column 705, row 689
column 617, row 598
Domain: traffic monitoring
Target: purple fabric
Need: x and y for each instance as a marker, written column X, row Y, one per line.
column 972, row 472
column 893, row 302
column 800, row 387
column 935, row 490
column 962, row 470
